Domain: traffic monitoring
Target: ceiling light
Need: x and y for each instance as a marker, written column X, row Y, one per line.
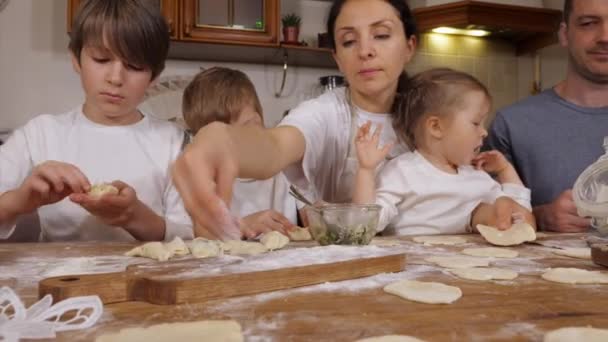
column 452, row 30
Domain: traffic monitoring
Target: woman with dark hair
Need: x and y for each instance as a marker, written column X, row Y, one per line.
column 373, row 41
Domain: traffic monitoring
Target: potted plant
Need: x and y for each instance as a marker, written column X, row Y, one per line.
column 291, row 27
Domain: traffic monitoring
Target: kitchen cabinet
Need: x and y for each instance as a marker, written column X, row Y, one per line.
column 169, row 9
column 243, row 22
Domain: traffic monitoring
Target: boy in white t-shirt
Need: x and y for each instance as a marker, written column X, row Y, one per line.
column 118, row 48
column 227, row 95
column 436, row 189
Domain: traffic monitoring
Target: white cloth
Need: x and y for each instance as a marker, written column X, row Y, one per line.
column 418, row 198
column 327, row 170
column 138, row 154
column 252, row 196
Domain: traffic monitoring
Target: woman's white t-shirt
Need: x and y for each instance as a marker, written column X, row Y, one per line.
column 327, row 170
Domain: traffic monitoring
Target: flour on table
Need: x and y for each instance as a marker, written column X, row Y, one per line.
column 484, row 273
column 440, row 240
column 225, row 331
column 274, row 240
column 424, row 292
column 491, row 252
column 575, row 276
column 299, row 234
column 385, row 242
column 580, row 253
column 586, row 334
column 458, row 261
column 391, row 338
column 516, row 235
column 153, row 250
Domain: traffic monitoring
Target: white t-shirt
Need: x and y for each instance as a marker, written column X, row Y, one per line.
column 139, row 155
column 251, row 196
column 418, row 198
column 327, row 170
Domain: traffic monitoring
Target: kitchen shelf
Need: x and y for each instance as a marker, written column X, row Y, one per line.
column 528, row 28
column 303, row 56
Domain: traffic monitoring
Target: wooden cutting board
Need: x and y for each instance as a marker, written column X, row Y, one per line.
column 196, row 280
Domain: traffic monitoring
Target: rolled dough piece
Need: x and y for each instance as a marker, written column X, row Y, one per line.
column 516, row 235
column 424, row 292
column 391, row 338
column 177, row 247
column 575, row 276
column 203, row 248
column 243, row 247
column 484, row 273
column 440, row 240
column 153, row 250
column 274, row 240
column 490, row 252
column 225, row 331
column 569, row 334
column 99, row 190
column 574, row 252
column 458, row 261
column 299, row 234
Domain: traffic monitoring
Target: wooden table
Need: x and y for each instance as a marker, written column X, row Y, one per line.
column 518, row 310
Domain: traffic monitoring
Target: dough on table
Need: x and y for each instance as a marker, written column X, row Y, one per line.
column 203, row 248
column 299, row 234
column 177, row 247
column 391, row 338
column 575, row 252
column 99, row 190
column 484, row 273
column 274, row 240
column 491, row 252
column 153, row 250
column 440, row 240
column 458, row 261
column 243, row 247
column 225, row 331
column 570, row 334
column 575, row 276
column 516, row 235
column 424, row 292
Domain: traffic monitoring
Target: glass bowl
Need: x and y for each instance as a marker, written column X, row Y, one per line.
column 343, row 224
column 590, row 195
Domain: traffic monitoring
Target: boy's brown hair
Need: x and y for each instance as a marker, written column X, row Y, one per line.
column 438, row 91
column 134, row 30
column 217, row 94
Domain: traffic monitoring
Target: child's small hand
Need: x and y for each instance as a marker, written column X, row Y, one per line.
column 50, row 182
column 491, row 161
column 112, row 209
column 265, row 221
column 369, row 154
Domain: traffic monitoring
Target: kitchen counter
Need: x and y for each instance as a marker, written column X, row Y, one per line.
column 522, row 309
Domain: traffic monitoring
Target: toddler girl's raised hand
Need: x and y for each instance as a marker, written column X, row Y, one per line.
column 491, row 161
column 369, row 154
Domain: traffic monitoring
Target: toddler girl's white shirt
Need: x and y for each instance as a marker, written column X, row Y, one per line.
column 139, row 155
column 418, row 198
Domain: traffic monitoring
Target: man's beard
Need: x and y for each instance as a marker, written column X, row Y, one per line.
column 586, row 73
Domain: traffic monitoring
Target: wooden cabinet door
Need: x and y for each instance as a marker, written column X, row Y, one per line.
column 218, row 23
column 169, row 9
